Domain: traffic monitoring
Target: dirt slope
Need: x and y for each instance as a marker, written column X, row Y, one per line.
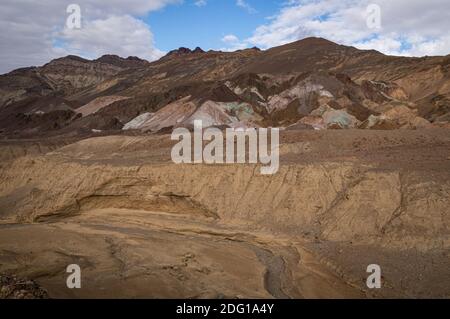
column 309, row 231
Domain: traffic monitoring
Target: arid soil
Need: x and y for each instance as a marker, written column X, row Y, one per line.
column 140, row 226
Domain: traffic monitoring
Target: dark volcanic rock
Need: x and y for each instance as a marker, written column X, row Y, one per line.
column 12, row 287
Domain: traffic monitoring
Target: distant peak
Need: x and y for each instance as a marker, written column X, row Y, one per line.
column 116, row 60
column 311, row 45
column 198, row 50
column 316, row 41
column 134, row 58
column 180, row 50
column 73, row 57
column 109, row 56
column 68, row 59
column 184, row 51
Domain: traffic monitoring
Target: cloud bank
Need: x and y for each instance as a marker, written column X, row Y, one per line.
column 407, row 27
column 33, row 32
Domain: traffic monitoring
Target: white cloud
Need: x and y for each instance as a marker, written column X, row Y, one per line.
column 201, row 3
column 33, row 31
column 408, row 27
column 385, row 44
column 232, row 43
column 245, row 5
column 230, row 38
column 121, row 35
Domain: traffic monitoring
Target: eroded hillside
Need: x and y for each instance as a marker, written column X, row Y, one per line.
column 309, row 84
column 133, row 220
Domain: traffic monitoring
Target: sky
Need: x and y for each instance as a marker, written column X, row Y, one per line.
column 34, row 32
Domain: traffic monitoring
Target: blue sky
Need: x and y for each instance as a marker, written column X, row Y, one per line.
column 34, row 32
column 189, row 25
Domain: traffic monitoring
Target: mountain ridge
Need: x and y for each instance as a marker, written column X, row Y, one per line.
column 284, row 86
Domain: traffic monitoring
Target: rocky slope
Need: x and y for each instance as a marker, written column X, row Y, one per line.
column 312, row 83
